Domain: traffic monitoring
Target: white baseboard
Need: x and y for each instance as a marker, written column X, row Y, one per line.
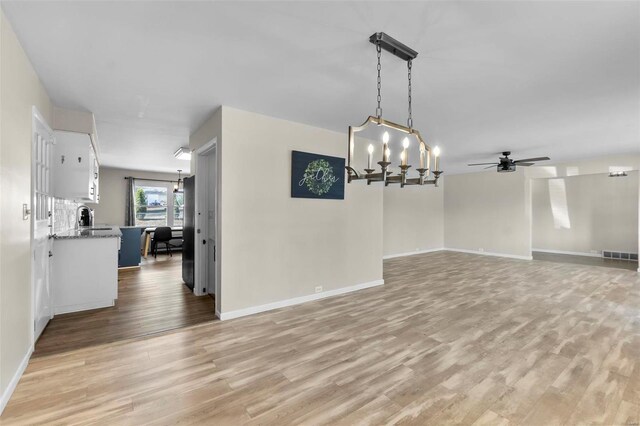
column 6, row 395
column 296, row 301
column 83, row 306
column 572, row 253
column 411, row 253
column 487, row 253
column 218, row 314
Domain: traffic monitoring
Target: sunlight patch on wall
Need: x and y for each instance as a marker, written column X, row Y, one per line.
column 559, row 208
column 573, row 171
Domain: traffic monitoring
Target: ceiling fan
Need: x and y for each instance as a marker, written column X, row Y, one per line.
column 506, row 164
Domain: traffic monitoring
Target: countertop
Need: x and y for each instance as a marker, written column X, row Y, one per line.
column 96, row 231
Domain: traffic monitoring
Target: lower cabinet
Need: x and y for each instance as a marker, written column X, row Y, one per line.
column 84, row 273
column 130, row 246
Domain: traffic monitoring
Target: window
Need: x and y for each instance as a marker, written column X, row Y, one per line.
column 157, row 205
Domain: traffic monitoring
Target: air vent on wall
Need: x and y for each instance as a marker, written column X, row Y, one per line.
column 619, row 255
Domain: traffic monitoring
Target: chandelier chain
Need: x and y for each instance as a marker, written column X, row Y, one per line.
column 379, row 108
column 410, row 119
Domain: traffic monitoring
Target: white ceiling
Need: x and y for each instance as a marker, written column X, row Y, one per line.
column 538, row 78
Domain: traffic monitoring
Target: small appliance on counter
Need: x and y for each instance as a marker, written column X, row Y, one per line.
column 85, row 216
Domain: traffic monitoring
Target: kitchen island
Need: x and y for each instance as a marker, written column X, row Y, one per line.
column 84, row 269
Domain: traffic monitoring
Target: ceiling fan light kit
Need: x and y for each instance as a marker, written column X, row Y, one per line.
column 618, row 174
column 507, row 165
column 389, row 44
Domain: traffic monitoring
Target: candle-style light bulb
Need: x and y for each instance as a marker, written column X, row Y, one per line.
column 385, row 146
column 405, row 145
column 370, row 149
column 436, row 153
column 422, row 156
column 387, row 153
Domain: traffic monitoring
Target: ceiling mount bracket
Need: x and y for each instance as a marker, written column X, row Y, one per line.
column 393, row 46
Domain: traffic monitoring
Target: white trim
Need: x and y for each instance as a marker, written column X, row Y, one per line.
column 199, row 221
column 83, row 306
column 218, row 314
column 572, row 253
column 6, row 395
column 486, row 253
column 297, row 300
column 412, row 253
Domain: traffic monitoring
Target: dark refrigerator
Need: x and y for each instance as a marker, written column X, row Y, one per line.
column 188, row 233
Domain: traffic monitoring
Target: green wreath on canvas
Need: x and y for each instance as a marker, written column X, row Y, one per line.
column 319, row 177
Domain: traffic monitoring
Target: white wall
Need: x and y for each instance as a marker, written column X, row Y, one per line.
column 113, row 191
column 488, row 212
column 586, row 214
column 413, row 219
column 274, row 247
column 211, row 130
column 20, row 89
column 591, row 166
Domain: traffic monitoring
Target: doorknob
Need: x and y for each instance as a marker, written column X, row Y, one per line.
column 50, row 253
column 204, row 241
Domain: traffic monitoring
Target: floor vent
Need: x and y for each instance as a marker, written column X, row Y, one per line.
column 620, row 255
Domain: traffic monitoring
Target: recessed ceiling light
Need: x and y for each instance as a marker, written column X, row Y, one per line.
column 183, row 153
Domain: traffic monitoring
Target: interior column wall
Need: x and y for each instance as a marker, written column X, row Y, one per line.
column 276, row 247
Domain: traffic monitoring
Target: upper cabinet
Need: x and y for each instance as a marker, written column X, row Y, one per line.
column 75, row 167
column 76, row 171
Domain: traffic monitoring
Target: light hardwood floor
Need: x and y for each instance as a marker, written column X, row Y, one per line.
column 150, row 300
column 451, row 338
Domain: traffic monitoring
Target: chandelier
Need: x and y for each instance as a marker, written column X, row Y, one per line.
column 384, row 41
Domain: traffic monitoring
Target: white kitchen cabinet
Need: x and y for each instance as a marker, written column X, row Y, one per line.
column 75, row 167
column 84, row 273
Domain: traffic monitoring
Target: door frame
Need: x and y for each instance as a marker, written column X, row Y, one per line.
column 36, row 119
column 201, row 195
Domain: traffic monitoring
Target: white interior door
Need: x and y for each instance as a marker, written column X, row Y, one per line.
column 42, row 222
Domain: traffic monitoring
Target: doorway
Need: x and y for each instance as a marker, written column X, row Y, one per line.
column 589, row 219
column 151, row 297
column 207, row 207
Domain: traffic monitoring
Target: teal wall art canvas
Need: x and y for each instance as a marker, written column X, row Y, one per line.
column 317, row 176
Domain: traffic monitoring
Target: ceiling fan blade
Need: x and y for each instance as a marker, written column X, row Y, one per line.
column 525, row 164
column 528, row 160
column 482, row 164
column 490, row 167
